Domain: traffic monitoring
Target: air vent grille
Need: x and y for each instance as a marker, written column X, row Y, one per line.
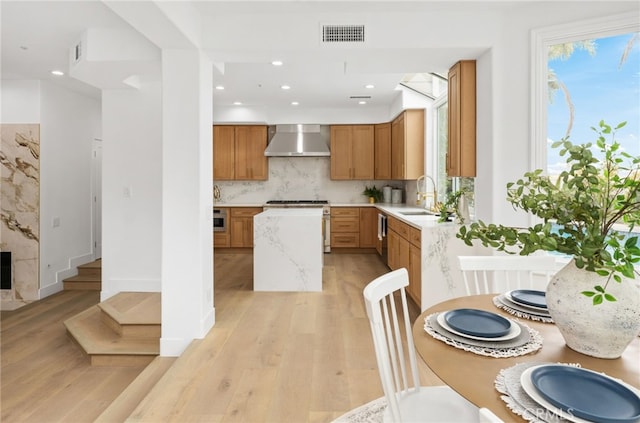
column 343, row 33
column 360, row 97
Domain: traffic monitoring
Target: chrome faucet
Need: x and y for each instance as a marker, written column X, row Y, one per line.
column 216, row 193
column 423, row 195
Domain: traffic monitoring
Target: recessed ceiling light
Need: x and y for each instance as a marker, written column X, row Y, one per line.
column 277, row 63
column 57, row 72
column 369, row 86
column 237, row 103
column 362, row 102
column 285, row 87
column 219, row 87
column 294, row 103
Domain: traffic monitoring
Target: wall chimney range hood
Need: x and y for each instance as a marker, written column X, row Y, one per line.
column 298, row 140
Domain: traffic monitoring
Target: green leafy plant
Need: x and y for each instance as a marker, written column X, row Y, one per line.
column 450, row 206
column 586, row 203
column 373, row 192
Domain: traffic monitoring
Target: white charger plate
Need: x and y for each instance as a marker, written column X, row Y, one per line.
column 514, row 330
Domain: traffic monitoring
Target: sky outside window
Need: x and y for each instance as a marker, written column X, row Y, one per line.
column 600, row 89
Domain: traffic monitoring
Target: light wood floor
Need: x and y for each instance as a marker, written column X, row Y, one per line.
column 271, row 357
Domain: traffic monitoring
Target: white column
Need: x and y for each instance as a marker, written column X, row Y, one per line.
column 131, row 189
column 187, row 200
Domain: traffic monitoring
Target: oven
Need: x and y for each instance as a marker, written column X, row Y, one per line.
column 219, row 220
column 326, row 215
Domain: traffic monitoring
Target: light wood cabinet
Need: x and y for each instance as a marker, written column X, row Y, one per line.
column 407, row 144
column 241, row 226
column 238, row 152
column 404, row 250
column 224, row 153
column 345, row 227
column 461, row 154
column 368, row 227
column 354, row 227
column 382, row 154
column 352, row 152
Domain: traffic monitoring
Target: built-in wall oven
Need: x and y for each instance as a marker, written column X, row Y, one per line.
column 219, row 220
column 381, row 244
column 326, row 215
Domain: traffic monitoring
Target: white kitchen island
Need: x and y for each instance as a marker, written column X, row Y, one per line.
column 288, row 252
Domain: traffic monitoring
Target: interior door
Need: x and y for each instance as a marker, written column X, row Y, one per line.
column 96, row 197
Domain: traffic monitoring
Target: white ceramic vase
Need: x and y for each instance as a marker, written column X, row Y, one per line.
column 603, row 330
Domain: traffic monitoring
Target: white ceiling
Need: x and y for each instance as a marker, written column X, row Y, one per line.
column 243, row 38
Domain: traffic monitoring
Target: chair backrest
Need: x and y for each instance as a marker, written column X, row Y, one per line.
column 380, row 301
column 489, row 274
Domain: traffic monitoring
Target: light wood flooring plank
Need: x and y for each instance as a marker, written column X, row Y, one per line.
column 272, row 357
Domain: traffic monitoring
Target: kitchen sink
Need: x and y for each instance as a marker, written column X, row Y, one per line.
column 418, row 213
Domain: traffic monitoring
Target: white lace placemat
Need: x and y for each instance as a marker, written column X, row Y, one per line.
column 527, row 342
column 508, row 384
column 500, row 302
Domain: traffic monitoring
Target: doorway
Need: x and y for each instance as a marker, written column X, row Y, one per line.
column 96, row 196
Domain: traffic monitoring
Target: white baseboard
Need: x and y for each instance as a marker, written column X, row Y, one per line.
column 51, row 289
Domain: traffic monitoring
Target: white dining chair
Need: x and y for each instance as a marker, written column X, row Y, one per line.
column 487, row 416
column 407, row 400
column 489, row 274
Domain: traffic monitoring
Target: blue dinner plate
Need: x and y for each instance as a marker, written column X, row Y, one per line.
column 477, row 322
column 530, row 297
column 586, row 394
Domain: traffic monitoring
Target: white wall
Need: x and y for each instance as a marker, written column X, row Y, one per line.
column 69, row 124
column 132, row 189
column 20, row 101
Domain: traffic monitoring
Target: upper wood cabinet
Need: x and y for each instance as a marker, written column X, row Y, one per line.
column 382, row 156
column 461, row 154
column 238, row 152
column 224, row 152
column 352, row 151
column 407, row 144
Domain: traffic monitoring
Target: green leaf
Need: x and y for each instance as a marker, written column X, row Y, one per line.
column 588, row 293
column 609, row 297
column 597, row 299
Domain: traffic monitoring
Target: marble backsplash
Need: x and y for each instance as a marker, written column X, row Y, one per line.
column 20, row 210
column 297, row 178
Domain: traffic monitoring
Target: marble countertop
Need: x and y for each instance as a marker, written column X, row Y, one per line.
column 395, row 210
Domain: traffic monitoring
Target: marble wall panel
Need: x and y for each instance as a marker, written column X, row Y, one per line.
column 20, row 208
column 297, row 178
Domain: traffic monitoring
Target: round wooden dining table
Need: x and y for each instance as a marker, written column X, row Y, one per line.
column 473, row 375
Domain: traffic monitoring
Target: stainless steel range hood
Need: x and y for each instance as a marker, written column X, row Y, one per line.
column 298, row 140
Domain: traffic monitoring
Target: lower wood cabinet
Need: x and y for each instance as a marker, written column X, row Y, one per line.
column 354, row 227
column 241, row 226
column 403, row 250
column 239, row 230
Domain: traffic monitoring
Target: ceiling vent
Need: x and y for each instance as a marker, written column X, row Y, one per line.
column 343, row 33
column 360, row 97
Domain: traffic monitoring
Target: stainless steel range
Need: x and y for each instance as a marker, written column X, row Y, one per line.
column 326, row 215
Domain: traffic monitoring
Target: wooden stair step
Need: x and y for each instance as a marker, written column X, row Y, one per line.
column 122, row 407
column 104, row 346
column 86, row 282
column 133, row 314
column 93, row 268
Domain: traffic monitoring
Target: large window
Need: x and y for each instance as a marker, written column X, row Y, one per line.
column 596, row 78
column 592, row 80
